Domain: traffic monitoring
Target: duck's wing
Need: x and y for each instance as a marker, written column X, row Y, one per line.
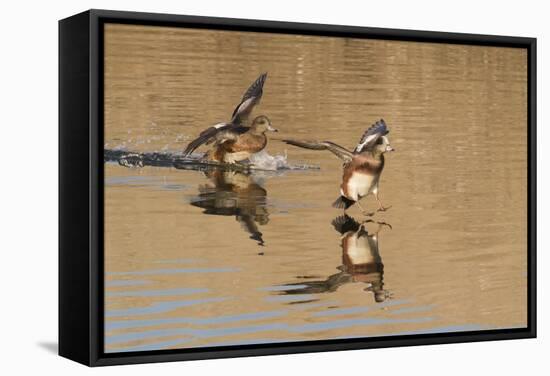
column 229, row 134
column 331, row 284
column 250, row 98
column 371, row 136
column 340, row 151
column 219, row 133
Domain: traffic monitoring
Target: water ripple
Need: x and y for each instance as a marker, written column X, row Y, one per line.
column 160, row 307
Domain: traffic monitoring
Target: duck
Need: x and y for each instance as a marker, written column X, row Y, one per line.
column 362, row 167
column 361, row 262
column 361, row 255
column 238, row 139
column 238, row 194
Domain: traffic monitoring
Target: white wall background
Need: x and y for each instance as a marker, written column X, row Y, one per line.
column 28, row 173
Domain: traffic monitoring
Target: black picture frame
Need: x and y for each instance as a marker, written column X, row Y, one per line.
column 81, row 186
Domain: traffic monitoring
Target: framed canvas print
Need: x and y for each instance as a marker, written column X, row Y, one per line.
column 240, row 187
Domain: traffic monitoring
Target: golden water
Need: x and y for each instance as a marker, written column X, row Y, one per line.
column 184, row 261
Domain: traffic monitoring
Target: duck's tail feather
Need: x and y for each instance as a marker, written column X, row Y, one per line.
column 345, row 223
column 342, row 203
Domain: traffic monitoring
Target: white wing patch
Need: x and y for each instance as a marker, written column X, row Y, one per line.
column 367, row 140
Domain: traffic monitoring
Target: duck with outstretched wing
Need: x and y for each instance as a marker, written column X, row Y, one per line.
column 362, row 166
column 237, row 140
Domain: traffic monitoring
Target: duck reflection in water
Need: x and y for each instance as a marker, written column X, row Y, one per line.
column 235, row 193
column 361, row 261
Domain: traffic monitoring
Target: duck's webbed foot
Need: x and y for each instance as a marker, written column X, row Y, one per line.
column 379, row 223
column 380, row 206
column 383, row 209
column 382, row 224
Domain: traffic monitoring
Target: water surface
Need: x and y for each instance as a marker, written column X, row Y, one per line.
column 212, row 258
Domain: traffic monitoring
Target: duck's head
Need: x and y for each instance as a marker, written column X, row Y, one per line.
column 262, row 124
column 382, row 145
column 380, row 296
column 375, row 139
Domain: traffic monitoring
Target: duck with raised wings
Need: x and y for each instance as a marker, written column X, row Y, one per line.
column 362, row 166
column 237, row 140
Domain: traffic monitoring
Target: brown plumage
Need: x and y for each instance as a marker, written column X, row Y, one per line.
column 236, row 141
column 234, row 149
column 361, row 262
column 362, row 166
column 233, row 193
column 360, row 254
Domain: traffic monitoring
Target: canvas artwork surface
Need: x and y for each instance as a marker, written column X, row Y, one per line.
column 265, row 188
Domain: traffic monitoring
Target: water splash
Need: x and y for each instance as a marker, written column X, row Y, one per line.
column 265, row 161
column 262, row 161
